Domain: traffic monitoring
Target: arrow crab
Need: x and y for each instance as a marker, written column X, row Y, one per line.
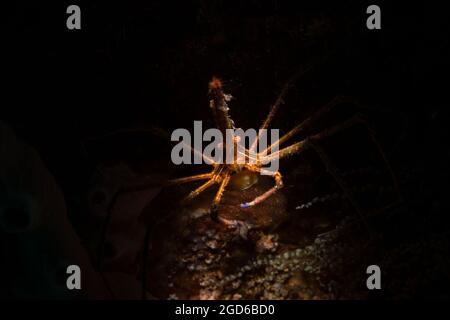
column 243, row 174
column 240, row 176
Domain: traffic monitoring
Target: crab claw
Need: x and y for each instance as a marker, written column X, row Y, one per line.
column 246, row 205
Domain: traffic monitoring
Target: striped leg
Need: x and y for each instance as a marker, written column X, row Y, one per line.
column 277, row 105
column 195, row 193
column 219, row 195
column 197, row 177
column 278, row 185
column 306, row 123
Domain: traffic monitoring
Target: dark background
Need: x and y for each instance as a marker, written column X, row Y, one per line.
column 148, row 63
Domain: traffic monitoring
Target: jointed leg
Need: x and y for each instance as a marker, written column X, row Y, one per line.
column 216, row 177
column 276, row 105
column 278, row 185
column 268, row 120
column 197, row 177
column 162, row 133
column 331, row 168
column 306, row 143
column 306, row 123
column 219, row 194
column 199, row 190
column 385, row 160
column 288, row 151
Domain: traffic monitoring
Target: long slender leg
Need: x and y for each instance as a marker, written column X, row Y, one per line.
column 288, row 151
column 331, row 168
column 269, row 118
column 306, row 143
column 202, row 155
column 193, row 194
column 385, row 160
column 244, row 156
column 214, row 177
column 219, row 194
column 306, row 123
column 278, row 185
column 197, row 177
column 302, row 145
column 162, row 133
column 277, row 105
column 293, row 149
